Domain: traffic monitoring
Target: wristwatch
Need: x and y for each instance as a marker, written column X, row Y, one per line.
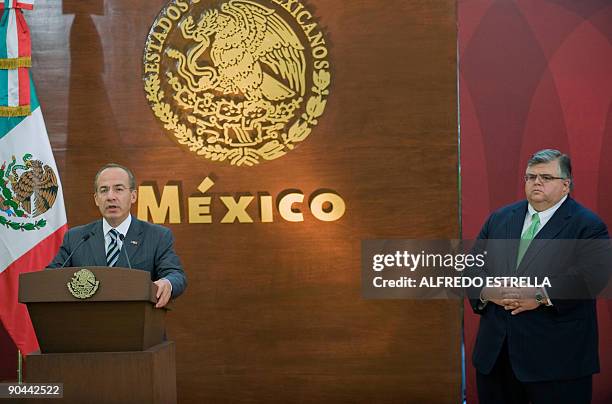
column 540, row 298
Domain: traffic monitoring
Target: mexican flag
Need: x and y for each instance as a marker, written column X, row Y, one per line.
column 32, row 214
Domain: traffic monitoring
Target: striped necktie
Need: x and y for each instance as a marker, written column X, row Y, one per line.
column 112, row 255
column 527, row 237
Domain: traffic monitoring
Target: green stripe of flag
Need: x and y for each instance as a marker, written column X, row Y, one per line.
column 3, row 28
column 3, row 55
column 3, row 87
column 7, row 124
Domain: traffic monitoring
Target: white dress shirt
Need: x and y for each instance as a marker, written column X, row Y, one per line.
column 122, row 229
column 544, row 215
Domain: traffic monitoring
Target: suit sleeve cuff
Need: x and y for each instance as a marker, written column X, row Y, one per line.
column 545, row 293
column 483, row 302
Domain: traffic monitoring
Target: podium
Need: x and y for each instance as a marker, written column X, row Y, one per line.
column 100, row 335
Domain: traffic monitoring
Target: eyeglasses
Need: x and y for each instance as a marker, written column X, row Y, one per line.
column 545, row 178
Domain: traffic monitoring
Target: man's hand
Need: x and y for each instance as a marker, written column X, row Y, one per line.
column 520, row 305
column 516, row 299
column 500, row 296
column 164, row 291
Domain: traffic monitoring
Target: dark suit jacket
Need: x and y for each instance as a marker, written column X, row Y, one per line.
column 150, row 247
column 551, row 342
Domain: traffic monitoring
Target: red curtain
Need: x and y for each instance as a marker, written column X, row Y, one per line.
column 534, row 75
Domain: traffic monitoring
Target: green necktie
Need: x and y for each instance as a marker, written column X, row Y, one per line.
column 527, row 237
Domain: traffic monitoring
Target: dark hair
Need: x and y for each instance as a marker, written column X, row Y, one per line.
column 131, row 177
column 548, row 155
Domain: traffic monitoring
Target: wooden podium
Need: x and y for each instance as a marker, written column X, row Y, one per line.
column 106, row 348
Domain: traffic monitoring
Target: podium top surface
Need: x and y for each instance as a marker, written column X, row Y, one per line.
column 114, row 284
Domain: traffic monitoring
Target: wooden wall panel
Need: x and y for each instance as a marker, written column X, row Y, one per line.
column 273, row 311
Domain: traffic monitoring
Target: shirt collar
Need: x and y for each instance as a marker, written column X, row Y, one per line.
column 122, row 228
column 545, row 214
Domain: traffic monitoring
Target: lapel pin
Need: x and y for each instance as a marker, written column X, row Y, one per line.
column 134, row 242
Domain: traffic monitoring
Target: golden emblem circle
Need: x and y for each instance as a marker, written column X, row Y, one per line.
column 238, row 81
column 83, row 284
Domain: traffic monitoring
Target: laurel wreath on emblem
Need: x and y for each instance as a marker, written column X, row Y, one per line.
column 26, row 195
column 235, row 109
column 83, row 284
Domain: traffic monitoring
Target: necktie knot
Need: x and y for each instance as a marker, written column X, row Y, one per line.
column 533, row 227
column 113, row 235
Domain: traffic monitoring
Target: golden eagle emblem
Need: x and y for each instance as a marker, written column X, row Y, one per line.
column 27, row 190
column 83, row 284
column 240, row 82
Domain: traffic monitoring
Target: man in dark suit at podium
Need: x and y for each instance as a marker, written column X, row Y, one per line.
column 534, row 346
column 119, row 239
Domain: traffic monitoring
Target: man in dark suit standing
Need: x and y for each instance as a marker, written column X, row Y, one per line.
column 108, row 241
column 534, row 345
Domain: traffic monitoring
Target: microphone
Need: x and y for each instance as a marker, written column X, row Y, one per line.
column 83, row 239
column 121, row 237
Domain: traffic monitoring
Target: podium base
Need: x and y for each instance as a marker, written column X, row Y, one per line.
column 108, row 377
